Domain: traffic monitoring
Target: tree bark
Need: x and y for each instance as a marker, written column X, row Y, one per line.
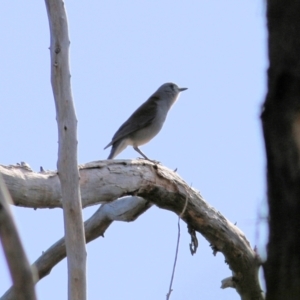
column 281, row 128
column 67, row 150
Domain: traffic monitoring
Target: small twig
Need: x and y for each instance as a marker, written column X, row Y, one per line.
column 177, row 247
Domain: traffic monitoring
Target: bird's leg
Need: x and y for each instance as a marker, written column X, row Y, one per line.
column 140, row 152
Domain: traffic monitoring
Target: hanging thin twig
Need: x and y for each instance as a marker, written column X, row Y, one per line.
column 177, row 247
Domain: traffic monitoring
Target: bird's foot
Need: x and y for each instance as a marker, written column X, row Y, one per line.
column 156, row 162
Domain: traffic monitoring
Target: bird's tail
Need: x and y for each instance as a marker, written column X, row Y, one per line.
column 112, row 153
column 116, row 148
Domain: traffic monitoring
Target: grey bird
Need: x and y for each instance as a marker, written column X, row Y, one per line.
column 146, row 122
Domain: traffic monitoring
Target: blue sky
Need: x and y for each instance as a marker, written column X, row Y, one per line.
column 120, row 54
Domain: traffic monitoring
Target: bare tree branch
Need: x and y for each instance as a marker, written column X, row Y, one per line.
column 126, row 209
column 105, row 181
column 20, row 270
column 67, row 150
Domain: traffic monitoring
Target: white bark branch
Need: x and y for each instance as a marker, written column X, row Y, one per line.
column 19, row 267
column 126, row 209
column 105, row 181
column 67, row 151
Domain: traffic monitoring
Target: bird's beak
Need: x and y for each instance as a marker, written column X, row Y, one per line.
column 182, row 89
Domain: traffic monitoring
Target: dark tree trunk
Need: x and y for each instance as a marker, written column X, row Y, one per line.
column 281, row 128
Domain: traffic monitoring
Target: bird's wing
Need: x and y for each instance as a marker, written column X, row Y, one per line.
column 141, row 118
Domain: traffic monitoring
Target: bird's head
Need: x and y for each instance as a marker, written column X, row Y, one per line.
column 168, row 93
column 170, row 89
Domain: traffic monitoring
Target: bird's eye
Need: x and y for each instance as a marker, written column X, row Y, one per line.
column 173, row 87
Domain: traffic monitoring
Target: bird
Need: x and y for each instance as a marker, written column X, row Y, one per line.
column 146, row 122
